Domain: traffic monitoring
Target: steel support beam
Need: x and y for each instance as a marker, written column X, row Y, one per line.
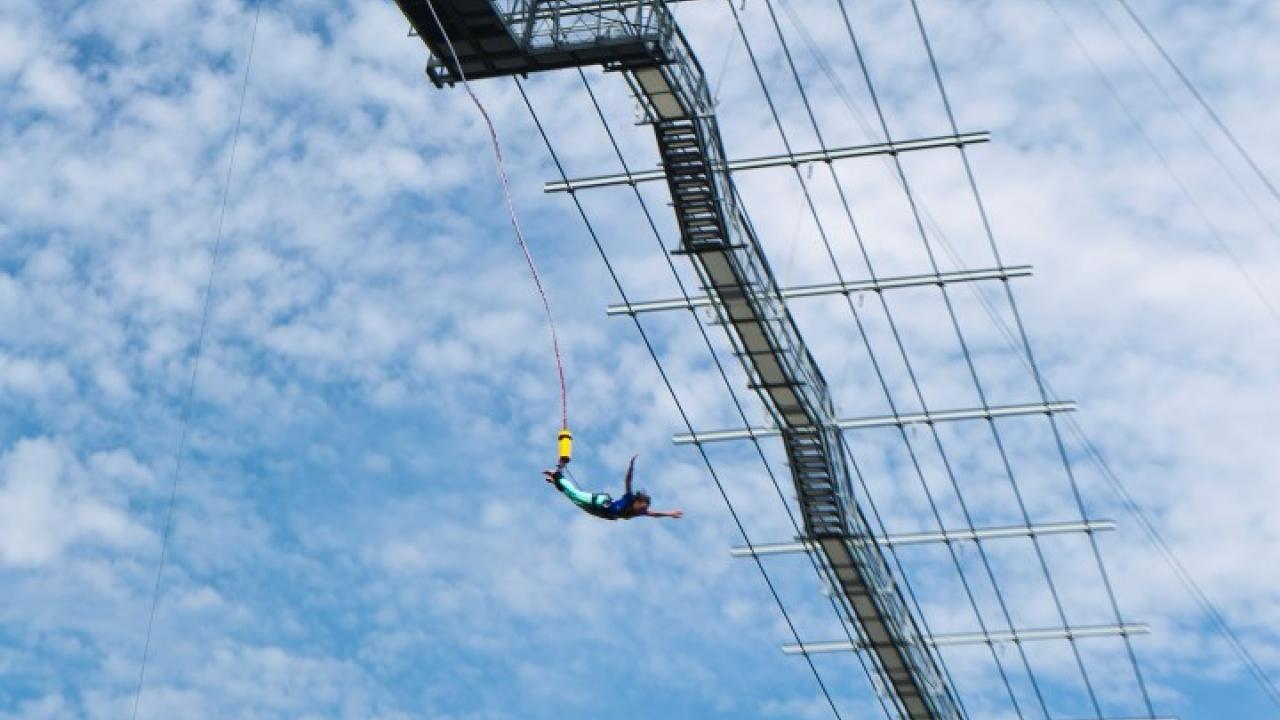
column 805, row 291
column 878, row 421
column 920, row 538
column 767, row 161
column 979, row 638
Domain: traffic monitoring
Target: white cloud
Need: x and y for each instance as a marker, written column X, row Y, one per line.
column 361, row 509
column 33, row 378
column 51, row 87
column 50, row 502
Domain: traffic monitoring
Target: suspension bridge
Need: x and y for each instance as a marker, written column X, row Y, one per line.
column 728, row 285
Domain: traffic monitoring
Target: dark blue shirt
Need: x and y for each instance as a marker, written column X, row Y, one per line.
column 619, row 507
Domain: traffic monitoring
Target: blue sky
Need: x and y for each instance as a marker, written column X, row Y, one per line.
column 361, row 531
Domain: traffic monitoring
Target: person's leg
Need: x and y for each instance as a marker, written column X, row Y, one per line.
column 575, row 495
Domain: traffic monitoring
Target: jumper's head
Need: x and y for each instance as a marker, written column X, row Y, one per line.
column 640, row 503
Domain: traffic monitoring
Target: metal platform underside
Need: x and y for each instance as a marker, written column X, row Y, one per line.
column 490, row 41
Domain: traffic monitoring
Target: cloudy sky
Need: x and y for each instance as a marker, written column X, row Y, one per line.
column 360, row 530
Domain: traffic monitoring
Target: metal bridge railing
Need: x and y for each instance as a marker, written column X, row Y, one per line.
column 541, row 25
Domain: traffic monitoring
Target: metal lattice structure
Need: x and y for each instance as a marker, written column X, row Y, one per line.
column 516, row 37
column 640, row 40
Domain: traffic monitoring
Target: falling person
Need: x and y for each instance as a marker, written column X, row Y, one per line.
column 632, row 504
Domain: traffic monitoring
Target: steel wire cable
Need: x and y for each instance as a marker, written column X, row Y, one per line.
column 876, row 365
column 1131, row 505
column 1207, row 606
column 737, row 520
column 189, row 398
column 1216, row 617
column 1195, row 92
column 999, row 446
column 1214, row 233
column 996, row 436
column 884, row 385
column 1026, row 344
column 1015, row 491
column 821, row 570
column 1177, row 107
column 1145, row 523
column 902, row 576
column 922, row 618
column 935, row 228
column 946, row 462
column 1048, row 576
column 985, row 405
column 976, row 290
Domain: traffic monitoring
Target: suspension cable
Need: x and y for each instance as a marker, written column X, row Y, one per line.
column 912, row 452
column 188, row 400
column 1214, row 233
column 1208, row 607
column 1177, row 107
column 1026, row 345
column 997, row 439
column 1195, row 92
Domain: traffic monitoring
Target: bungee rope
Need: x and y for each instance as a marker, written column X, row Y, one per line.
column 565, row 438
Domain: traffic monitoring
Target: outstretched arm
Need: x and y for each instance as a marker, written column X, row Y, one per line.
column 674, row 514
column 631, row 468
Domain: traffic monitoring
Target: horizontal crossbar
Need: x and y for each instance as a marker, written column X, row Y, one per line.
column 766, row 161
column 989, row 533
column 877, row 421
column 1142, row 718
column 978, row 638
column 802, row 291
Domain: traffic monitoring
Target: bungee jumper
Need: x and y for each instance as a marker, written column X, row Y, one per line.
column 632, row 504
